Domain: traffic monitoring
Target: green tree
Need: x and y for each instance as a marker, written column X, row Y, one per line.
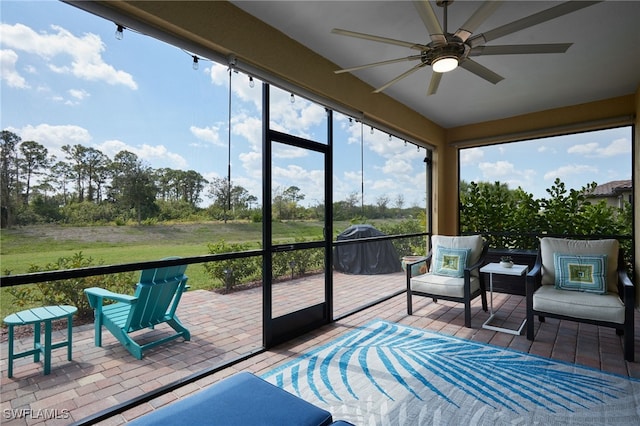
column 526, row 221
column 347, row 208
column 132, row 186
column 399, row 202
column 192, row 184
column 33, row 162
column 487, row 209
column 60, row 175
column 75, row 154
column 563, row 212
column 383, row 203
column 97, row 166
column 180, row 185
column 9, row 194
column 235, row 200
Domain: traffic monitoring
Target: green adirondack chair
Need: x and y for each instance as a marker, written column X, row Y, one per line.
column 155, row 302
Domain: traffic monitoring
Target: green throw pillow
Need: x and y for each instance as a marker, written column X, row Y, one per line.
column 586, row 273
column 451, row 261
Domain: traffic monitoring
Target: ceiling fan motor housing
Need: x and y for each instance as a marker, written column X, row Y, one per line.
column 451, row 49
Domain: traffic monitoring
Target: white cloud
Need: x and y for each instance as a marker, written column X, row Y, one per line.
column 240, row 86
column 85, row 53
column 53, row 137
column 384, row 185
column 8, row 73
column 284, row 151
column 219, row 74
column 252, row 165
column 47, row 134
column 617, row 147
column 208, row 134
column 79, row 94
column 569, row 170
column 471, row 156
column 498, row 169
column 296, row 118
column 379, row 143
column 397, row 166
column 584, row 149
column 353, row 176
column 250, row 128
column 506, row 172
column 242, row 89
column 158, row 155
column 310, row 182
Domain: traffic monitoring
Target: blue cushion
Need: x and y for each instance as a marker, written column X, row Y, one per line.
column 580, row 273
column 242, row 399
column 451, row 261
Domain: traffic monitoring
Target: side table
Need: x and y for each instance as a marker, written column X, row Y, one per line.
column 36, row 316
column 495, row 268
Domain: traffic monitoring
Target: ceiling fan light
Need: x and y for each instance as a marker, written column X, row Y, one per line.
column 444, row 64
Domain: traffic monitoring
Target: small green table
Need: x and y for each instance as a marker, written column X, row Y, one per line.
column 36, row 316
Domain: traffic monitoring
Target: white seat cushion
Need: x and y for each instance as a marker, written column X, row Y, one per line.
column 442, row 285
column 606, row 307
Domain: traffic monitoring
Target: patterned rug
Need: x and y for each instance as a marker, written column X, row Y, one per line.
column 390, row 374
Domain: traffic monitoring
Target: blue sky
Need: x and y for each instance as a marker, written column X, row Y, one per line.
column 576, row 159
column 66, row 79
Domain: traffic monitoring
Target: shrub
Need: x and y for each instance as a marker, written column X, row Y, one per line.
column 406, row 246
column 70, row 291
column 232, row 271
column 297, row 262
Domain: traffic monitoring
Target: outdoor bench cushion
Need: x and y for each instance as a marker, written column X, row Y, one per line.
column 606, row 307
column 242, row 399
column 442, row 285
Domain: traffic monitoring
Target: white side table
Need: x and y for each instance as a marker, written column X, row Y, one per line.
column 495, row 268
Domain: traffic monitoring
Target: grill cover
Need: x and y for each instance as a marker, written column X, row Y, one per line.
column 367, row 258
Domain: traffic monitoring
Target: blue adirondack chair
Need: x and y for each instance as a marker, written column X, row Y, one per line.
column 155, row 301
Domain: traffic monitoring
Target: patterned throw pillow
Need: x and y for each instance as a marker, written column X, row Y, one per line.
column 586, row 273
column 451, row 261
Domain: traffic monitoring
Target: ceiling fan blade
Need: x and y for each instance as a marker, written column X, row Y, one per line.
column 375, row 64
column 430, row 21
column 400, row 77
column 520, row 49
column 379, row 39
column 529, row 21
column 478, row 17
column 481, row 71
column 434, row 83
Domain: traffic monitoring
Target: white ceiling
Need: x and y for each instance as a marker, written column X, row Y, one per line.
column 603, row 62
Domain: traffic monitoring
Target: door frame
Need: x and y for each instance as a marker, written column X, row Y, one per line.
column 283, row 328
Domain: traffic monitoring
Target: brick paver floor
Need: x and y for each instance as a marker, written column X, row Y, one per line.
column 227, row 326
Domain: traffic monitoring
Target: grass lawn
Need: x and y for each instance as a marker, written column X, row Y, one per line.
column 20, row 248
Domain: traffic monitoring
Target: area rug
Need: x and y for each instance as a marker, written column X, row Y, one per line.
column 391, row 374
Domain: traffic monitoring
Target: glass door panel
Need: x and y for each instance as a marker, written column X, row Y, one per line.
column 298, row 280
column 297, row 194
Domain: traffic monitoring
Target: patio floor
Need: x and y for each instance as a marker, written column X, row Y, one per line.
column 227, row 326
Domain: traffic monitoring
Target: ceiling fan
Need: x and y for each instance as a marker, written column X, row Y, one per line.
column 446, row 51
